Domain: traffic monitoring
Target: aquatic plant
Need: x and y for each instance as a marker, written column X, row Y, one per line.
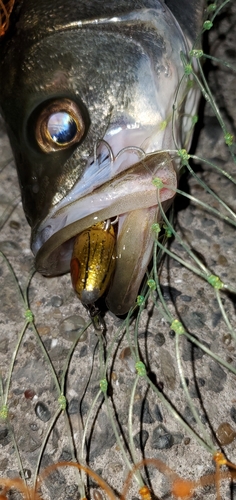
column 97, row 404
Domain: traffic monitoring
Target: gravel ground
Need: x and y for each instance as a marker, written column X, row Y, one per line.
column 59, row 318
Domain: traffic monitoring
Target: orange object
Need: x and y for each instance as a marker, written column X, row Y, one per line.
column 5, row 12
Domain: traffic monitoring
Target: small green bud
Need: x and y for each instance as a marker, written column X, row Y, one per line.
column 141, row 369
column 215, row 281
column 152, row 284
column 62, row 401
column 177, row 327
column 103, row 385
column 207, row 25
column 158, row 183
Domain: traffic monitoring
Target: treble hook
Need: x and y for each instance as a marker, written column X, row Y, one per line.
column 97, row 320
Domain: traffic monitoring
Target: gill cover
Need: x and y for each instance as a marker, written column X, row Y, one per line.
column 87, row 91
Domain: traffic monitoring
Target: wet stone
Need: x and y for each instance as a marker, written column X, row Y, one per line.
column 74, row 406
column 65, row 456
column 201, row 382
column 178, row 437
column 10, row 247
column 33, row 426
column 29, row 394
column 127, row 359
column 42, row 411
column 3, row 346
column 55, row 438
column 28, row 442
column 55, row 481
column 186, row 298
column 159, row 339
column 56, row 301
column 194, row 319
column 162, row 438
column 225, row 433
column 233, row 413
column 140, row 439
column 157, row 413
column 188, row 416
column 215, row 318
column 218, row 378
column 3, row 465
column 170, row 293
column 27, row 473
column 14, row 225
column 102, row 441
column 97, row 495
column 168, row 369
column 142, row 410
column 70, row 327
column 32, row 370
column 91, row 482
column 83, row 351
column 191, row 351
column 4, row 436
column 71, row 492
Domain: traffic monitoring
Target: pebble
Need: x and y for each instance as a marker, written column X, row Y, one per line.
column 218, row 378
column 186, row 298
column 157, row 413
column 29, row 394
column 191, row 351
column 102, row 441
column 28, row 442
column 74, row 406
column 170, row 293
column 43, row 330
column 56, row 301
column 159, row 339
column 27, row 473
column 233, row 413
column 42, row 411
column 65, row 456
column 142, row 410
column 225, row 433
column 4, row 436
column 3, row 346
column 97, row 495
column 168, row 369
column 162, row 438
column 83, row 351
column 140, row 439
column 10, row 247
column 14, row 225
column 70, row 327
column 188, row 416
column 127, row 359
column 3, row 465
column 33, row 426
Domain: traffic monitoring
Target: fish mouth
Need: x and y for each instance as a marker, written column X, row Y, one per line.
column 131, row 198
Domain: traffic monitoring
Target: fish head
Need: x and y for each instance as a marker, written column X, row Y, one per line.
column 87, row 93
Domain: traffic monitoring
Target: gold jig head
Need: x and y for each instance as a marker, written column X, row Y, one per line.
column 93, row 261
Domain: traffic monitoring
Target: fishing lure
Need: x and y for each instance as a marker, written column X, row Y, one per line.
column 93, row 261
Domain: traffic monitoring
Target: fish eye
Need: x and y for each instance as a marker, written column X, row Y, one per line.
column 59, row 125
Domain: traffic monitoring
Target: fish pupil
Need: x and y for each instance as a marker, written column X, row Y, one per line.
column 62, row 127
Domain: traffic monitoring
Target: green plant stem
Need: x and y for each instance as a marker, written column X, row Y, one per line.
column 189, row 399
column 130, row 431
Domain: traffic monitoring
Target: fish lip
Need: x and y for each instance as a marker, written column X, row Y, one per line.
column 53, row 246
